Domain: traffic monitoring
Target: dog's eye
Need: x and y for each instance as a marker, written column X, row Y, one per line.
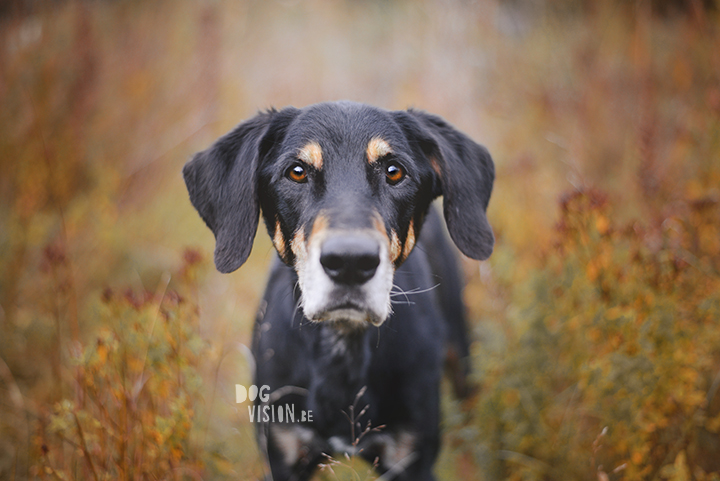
column 297, row 173
column 394, row 173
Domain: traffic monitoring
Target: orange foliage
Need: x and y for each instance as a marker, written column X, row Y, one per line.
column 598, row 309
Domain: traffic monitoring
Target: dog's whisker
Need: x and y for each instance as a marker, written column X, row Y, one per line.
column 408, row 303
column 294, row 314
column 295, row 310
column 412, row 291
column 418, row 290
column 402, row 292
column 407, row 293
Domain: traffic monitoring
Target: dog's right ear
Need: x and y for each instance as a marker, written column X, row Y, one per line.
column 465, row 175
column 222, row 182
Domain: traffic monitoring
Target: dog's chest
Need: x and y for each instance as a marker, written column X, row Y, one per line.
column 340, row 371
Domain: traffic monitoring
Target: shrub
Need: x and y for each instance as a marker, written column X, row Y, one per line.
column 612, row 356
column 136, row 387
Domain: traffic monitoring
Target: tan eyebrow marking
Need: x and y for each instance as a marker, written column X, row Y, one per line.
column 311, row 154
column 377, row 148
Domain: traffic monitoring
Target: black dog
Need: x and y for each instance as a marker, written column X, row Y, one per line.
column 350, row 316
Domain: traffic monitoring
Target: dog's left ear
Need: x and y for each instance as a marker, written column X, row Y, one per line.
column 466, row 173
column 222, row 182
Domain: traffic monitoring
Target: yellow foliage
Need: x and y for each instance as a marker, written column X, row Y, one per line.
column 602, row 313
column 134, row 413
column 632, row 342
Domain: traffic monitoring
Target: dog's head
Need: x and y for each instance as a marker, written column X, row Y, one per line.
column 343, row 189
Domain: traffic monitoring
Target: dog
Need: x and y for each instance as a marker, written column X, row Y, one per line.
column 363, row 304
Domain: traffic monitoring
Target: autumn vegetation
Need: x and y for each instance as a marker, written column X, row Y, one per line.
column 596, row 321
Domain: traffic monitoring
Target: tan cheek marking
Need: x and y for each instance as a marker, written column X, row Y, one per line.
column 312, row 154
column 378, row 224
column 297, row 246
column 394, row 246
column 376, row 149
column 410, row 240
column 320, row 225
column 279, row 240
column 393, row 242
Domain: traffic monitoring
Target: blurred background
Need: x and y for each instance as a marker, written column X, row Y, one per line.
column 597, row 341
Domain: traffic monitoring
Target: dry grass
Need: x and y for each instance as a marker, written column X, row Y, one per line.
column 597, row 309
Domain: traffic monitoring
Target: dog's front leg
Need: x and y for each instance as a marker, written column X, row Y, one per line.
column 293, row 451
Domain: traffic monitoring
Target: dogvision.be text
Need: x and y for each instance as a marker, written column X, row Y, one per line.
column 268, row 413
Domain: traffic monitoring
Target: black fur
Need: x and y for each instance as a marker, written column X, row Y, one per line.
column 393, row 369
column 467, row 175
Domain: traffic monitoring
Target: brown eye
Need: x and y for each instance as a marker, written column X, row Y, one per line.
column 297, row 173
column 394, row 173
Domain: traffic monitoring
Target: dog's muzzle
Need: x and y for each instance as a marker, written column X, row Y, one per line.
column 347, row 277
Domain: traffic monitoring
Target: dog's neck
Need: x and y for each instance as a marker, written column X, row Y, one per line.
column 342, row 362
column 345, row 351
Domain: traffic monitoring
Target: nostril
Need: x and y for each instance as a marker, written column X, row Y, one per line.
column 368, row 262
column 350, row 259
column 331, row 261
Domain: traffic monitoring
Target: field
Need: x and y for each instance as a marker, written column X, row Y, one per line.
column 596, row 320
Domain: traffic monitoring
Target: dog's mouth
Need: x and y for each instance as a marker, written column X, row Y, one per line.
column 348, row 314
column 360, row 306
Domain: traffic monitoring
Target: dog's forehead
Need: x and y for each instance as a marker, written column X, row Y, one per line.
column 342, row 128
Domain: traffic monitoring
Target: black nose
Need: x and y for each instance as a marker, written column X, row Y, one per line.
column 350, row 260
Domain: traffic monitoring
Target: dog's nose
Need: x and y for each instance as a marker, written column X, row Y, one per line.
column 350, row 260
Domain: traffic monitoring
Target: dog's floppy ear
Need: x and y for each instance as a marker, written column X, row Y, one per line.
column 222, row 182
column 466, row 173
